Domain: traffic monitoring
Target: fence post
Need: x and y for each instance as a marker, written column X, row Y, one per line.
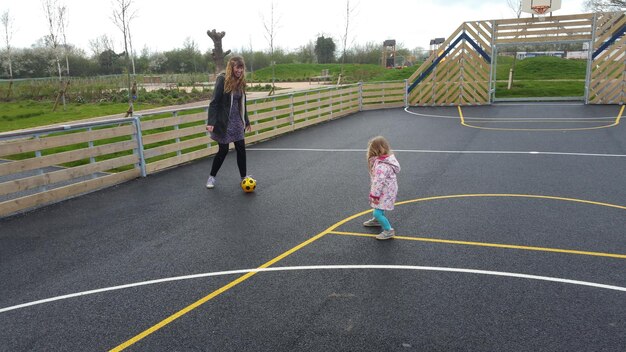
column 406, row 93
column 330, row 99
column 208, row 134
column 176, row 128
column 360, row 96
column 291, row 116
column 92, row 159
column 274, row 114
column 40, row 171
column 142, row 159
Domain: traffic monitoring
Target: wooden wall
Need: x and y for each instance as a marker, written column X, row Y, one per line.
column 608, row 66
column 463, row 75
column 457, row 73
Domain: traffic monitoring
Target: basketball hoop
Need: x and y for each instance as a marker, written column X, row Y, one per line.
column 540, row 10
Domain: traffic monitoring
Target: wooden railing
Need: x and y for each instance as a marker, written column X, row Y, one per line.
column 608, row 66
column 46, row 165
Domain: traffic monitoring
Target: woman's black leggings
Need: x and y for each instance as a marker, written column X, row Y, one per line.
column 240, row 147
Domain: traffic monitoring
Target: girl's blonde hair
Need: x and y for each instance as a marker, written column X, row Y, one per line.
column 377, row 146
column 232, row 83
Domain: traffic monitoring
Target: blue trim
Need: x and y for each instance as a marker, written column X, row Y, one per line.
column 618, row 33
column 463, row 36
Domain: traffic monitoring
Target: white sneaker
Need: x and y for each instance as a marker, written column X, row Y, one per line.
column 385, row 235
column 371, row 223
column 210, row 183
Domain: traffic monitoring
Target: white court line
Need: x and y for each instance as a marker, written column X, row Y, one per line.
column 497, row 119
column 321, row 267
column 436, row 151
column 539, row 104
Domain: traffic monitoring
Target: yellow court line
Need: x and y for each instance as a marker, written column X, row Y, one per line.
column 512, row 195
column 330, row 229
column 615, row 123
column 484, row 244
column 228, row 286
column 542, row 121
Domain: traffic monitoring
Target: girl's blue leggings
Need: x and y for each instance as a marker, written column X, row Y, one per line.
column 379, row 214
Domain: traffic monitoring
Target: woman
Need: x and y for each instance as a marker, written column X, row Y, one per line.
column 228, row 116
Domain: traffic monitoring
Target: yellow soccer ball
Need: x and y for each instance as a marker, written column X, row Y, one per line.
column 248, row 184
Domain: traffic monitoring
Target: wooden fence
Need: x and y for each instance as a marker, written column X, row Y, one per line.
column 47, row 165
column 462, row 70
column 458, row 72
column 608, row 66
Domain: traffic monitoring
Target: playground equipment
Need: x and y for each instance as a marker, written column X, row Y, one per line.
column 389, row 53
column 462, row 70
column 435, row 44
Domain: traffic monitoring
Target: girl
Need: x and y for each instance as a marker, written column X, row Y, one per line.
column 228, row 117
column 383, row 167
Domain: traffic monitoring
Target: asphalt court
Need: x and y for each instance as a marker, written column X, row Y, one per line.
column 510, row 222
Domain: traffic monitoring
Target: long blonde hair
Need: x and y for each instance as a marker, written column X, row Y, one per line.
column 232, row 83
column 377, row 146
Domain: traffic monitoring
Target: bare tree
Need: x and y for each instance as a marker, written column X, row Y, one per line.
column 270, row 36
column 52, row 12
column 344, row 38
column 250, row 60
column 516, row 6
column 7, row 25
column 218, row 52
column 605, row 5
column 132, row 51
column 101, row 44
column 122, row 15
column 63, row 23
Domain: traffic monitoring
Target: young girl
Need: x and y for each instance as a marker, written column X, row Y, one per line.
column 383, row 167
column 228, row 116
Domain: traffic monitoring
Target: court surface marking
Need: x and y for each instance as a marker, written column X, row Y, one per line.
column 612, row 121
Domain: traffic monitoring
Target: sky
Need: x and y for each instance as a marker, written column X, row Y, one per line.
column 166, row 25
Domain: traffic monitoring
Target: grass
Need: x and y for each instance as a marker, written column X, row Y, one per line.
column 27, row 114
column 352, row 73
column 541, row 68
column 542, row 76
column 534, row 77
column 539, row 88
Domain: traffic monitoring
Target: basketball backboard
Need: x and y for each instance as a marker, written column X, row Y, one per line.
column 540, row 7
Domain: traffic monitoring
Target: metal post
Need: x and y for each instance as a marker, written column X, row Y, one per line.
column 406, row 93
column 360, row 96
column 91, row 158
column 176, row 128
column 274, row 114
column 492, row 76
column 142, row 159
column 208, row 134
column 494, row 59
column 590, row 59
column 40, row 171
column 330, row 91
column 291, row 115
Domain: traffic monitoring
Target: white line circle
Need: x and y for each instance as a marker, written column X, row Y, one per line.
column 320, row 267
column 434, row 151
